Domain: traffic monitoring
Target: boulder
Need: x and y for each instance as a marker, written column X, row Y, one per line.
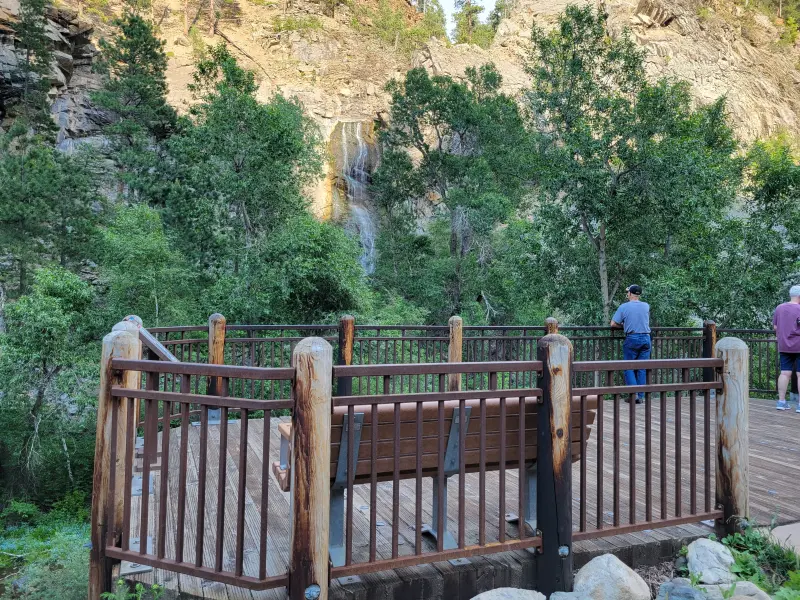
column 569, row 596
column 608, row 578
column 679, row 589
column 711, row 561
column 509, row 594
column 744, row 589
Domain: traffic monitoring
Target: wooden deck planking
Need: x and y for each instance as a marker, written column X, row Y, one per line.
column 774, row 462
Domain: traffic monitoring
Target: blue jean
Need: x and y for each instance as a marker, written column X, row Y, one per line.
column 636, row 347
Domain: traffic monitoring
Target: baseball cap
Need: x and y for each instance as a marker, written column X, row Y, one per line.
column 636, row 290
column 795, row 291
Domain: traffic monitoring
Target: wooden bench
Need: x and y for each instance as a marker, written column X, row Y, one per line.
column 385, row 458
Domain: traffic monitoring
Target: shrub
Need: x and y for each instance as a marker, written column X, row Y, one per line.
column 790, row 31
column 762, row 559
column 292, row 23
column 19, row 513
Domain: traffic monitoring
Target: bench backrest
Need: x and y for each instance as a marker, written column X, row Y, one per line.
column 385, row 431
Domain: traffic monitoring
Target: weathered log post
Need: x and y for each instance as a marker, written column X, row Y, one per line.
column 133, row 323
column 732, row 435
column 455, row 351
column 131, row 380
column 117, row 344
column 216, row 356
column 551, row 325
column 709, row 347
column 311, row 476
column 347, row 331
column 216, row 349
column 554, row 481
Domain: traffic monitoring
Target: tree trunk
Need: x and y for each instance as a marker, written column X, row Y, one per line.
column 213, row 16
column 603, row 266
column 22, row 277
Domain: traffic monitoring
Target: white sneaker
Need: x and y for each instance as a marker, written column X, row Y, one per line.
column 798, row 408
column 783, row 405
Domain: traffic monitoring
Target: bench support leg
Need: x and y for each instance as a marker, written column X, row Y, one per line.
column 336, row 539
column 530, row 500
column 451, row 467
column 433, row 528
column 336, row 546
column 284, row 453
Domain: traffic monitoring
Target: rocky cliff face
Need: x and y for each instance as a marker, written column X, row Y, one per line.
column 71, row 79
column 718, row 47
column 338, row 66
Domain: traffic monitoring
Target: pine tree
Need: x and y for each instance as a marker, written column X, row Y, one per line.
column 135, row 90
column 35, row 68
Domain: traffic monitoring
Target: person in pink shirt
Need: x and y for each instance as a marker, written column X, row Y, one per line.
column 786, row 322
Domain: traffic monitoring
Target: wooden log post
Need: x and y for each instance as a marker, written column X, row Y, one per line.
column 554, row 481
column 132, row 380
column 311, row 470
column 551, row 325
column 117, row 344
column 455, row 351
column 216, row 349
column 347, row 331
column 733, row 479
column 709, row 347
column 216, row 356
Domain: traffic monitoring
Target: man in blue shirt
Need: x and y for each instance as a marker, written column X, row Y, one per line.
column 634, row 318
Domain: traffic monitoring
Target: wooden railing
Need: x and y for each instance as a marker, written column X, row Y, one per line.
column 272, row 345
column 415, row 426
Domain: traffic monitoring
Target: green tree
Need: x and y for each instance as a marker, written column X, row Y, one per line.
column 133, row 64
column 502, row 10
column 38, row 222
column 238, row 172
column 305, row 272
column 392, row 27
column 469, row 29
column 34, row 71
column 145, row 275
column 474, row 167
column 43, row 365
column 632, row 165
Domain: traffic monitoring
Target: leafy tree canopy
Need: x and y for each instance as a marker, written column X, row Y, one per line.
column 632, row 166
column 239, row 171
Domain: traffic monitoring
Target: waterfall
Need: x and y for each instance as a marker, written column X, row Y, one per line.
column 355, row 173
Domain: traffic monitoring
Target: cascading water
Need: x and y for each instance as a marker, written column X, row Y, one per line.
column 356, row 162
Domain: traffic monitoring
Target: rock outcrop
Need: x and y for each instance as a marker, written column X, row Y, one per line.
column 721, row 49
column 71, row 78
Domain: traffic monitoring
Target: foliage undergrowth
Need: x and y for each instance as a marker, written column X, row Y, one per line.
column 766, row 561
column 46, row 553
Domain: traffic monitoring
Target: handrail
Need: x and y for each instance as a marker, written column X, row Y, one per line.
column 211, row 370
column 155, row 346
column 436, row 368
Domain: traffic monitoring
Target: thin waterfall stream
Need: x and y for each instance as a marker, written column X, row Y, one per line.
column 357, row 163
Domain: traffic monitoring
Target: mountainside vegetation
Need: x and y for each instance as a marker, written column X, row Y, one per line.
column 500, row 210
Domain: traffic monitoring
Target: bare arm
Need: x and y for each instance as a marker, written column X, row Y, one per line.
column 615, row 325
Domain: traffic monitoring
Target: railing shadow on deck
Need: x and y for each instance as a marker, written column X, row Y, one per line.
column 414, row 427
